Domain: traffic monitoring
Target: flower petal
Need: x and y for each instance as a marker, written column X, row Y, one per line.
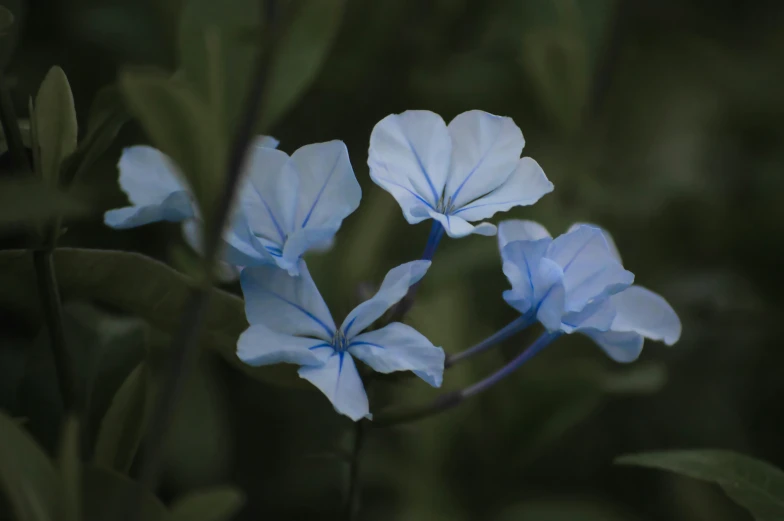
column 607, row 237
column 485, row 151
column 302, row 240
column 590, row 271
column 398, row 347
column 646, row 313
column 328, row 189
column 520, row 230
column 394, row 288
column 598, row 315
column 622, row 347
column 409, row 158
column 154, row 187
column 259, row 345
column 339, row 380
column 286, row 304
column 524, row 187
column 457, row 227
column 240, row 246
column 521, row 265
column 550, row 295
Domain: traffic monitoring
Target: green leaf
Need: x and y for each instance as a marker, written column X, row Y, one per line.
column 562, row 509
column 27, row 476
column 124, row 424
column 217, row 504
column 25, row 203
column 103, row 276
column 751, row 483
column 70, row 470
column 180, row 124
column 106, row 492
column 6, row 20
column 55, row 123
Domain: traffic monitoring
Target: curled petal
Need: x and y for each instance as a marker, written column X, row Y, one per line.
column 520, row 230
column 286, row 304
column 457, row 227
column 622, row 347
column 522, row 260
column 269, row 194
column 646, row 313
column 485, row 151
column 339, row 380
column 613, row 249
column 398, row 347
column 550, row 295
column 259, row 345
column 394, row 288
column 597, row 315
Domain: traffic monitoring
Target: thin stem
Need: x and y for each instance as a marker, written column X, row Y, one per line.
column 185, row 342
column 507, row 331
column 436, row 232
column 450, row 400
column 352, row 501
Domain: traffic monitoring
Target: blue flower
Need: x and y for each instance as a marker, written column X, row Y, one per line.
column 577, row 283
column 285, row 205
column 290, row 323
column 456, row 174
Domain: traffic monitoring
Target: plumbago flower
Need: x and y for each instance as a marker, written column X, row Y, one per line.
column 285, row 206
column 456, row 174
column 290, row 323
column 576, row 283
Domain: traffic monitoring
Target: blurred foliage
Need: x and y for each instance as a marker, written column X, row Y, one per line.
column 661, row 121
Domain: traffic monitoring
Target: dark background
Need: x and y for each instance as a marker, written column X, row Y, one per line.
column 661, row 121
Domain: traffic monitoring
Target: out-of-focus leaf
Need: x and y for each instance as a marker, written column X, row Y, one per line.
column 24, row 130
column 55, row 123
column 755, row 485
column 217, row 504
column 70, row 471
column 105, row 493
column 124, row 424
column 102, row 275
column 28, row 478
column 180, row 124
column 27, row 202
column 9, row 30
column 12, row 367
column 6, row 20
column 562, row 510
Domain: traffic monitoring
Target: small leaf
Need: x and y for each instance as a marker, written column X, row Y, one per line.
column 124, row 424
column 755, row 485
column 217, row 504
column 106, row 493
column 26, row 475
column 55, row 123
column 180, row 124
column 70, row 470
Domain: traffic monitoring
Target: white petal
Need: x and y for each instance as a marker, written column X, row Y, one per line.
column 621, row 347
column 521, row 265
column 286, row 304
column 394, row 288
column 647, row 313
column 398, row 347
column 409, row 158
column 259, row 345
column 524, row 187
column 457, row 227
column 607, row 237
column 590, row 271
column 485, row 151
column 339, row 380
column 520, row 230
column 301, row 241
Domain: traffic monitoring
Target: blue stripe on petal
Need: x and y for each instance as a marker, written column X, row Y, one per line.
column 321, row 191
column 303, row 310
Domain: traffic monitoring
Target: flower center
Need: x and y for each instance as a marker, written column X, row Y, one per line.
column 445, row 206
column 339, row 341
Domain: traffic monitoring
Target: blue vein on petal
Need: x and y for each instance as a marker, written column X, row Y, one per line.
column 274, row 251
column 361, row 343
column 274, row 220
column 340, row 371
column 303, row 310
column 348, row 326
column 409, row 191
column 419, row 161
column 318, row 346
column 334, row 167
column 578, row 252
column 482, row 160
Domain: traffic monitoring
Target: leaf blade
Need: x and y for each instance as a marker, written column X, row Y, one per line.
column 216, row 504
column 55, row 123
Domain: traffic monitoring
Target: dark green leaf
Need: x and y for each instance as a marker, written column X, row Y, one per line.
column 55, row 123
column 70, row 470
column 562, row 509
column 103, row 276
column 753, row 484
column 27, row 202
column 28, row 478
column 24, row 130
column 105, row 493
column 124, row 424
column 9, row 35
column 6, row 20
column 218, row 504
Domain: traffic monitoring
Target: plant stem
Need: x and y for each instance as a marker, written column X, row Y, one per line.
column 352, row 501
column 185, row 342
column 507, row 331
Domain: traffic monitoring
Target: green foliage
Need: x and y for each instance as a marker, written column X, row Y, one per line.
column 71, row 471
column 107, row 491
column 756, row 485
column 55, row 124
column 218, row 504
column 25, row 203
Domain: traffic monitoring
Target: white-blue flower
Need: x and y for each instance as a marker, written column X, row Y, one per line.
column 290, row 323
column 286, row 205
column 577, row 283
column 457, row 174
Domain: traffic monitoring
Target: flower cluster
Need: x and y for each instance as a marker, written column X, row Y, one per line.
column 456, row 174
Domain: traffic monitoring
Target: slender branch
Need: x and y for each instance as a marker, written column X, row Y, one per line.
column 352, row 500
column 185, row 343
column 507, row 331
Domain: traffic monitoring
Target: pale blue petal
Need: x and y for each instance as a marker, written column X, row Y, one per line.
column 520, row 230
column 597, row 315
column 328, row 189
column 240, row 247
column 266, row 141
column 394, row 288
column 590, row 271
column 549, row 294
column 524, row 187
column 409, row 158
column 647, row 313
column 177, row 207
column 302, row 240
column 607, row 237
column 259, row 345
column 398, row 347
column 268, row 194
column 339, row 380
column 485, row 151
column 521, row 265
column 457, row 227
column 286, row 304
column 622, row 347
